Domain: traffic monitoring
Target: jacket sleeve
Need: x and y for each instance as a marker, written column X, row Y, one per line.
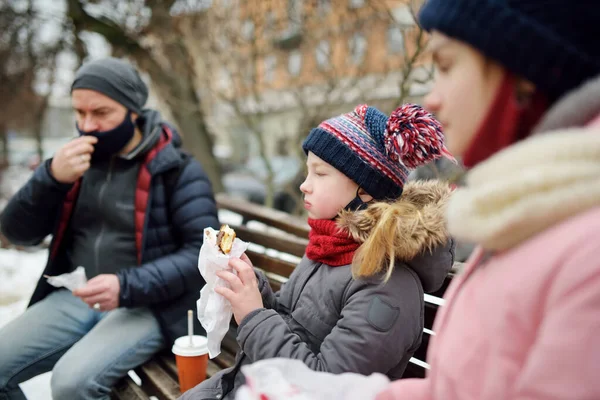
column 31, row 213
column 269, row 297
column 373, row 315
column 192, row 208
column 563, row 361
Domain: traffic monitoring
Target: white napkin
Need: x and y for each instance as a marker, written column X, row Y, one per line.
column 214, row 311
column 286, row 379
column 73, row 280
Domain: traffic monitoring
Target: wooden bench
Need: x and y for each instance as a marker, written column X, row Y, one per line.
column 278, row 242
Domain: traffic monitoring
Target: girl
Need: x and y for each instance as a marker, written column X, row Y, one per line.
column 355, row 301
column 522, row 322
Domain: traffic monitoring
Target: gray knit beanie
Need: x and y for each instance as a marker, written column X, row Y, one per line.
column 114, row 78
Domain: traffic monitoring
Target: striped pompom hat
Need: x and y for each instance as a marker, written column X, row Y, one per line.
column 378, row 152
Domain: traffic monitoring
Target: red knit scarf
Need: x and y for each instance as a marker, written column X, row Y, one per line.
column 506, row 122
column 328, row 244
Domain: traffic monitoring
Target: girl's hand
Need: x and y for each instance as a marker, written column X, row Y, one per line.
column 244, row 295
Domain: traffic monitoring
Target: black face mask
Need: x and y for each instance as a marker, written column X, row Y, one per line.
column 356, row 204
column 112, row 141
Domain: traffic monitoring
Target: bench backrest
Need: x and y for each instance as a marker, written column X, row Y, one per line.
column 278, row 240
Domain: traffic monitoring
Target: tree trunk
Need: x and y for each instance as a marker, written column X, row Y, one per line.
column 39, row 141
column 38, row 128
column 174, row 81
column 4, row 140
column 178, row 92
column 192, row 127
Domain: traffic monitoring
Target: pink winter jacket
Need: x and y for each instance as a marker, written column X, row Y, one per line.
column 523, row 320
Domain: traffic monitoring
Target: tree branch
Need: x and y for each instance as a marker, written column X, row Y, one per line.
column 113, row 33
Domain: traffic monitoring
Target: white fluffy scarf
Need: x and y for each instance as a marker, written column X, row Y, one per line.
column 527, row 188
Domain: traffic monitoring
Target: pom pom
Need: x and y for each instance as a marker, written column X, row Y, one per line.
column 414, row 137
column 361, row 111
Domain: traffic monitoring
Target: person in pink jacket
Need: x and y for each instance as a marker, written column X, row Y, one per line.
column 517, row 95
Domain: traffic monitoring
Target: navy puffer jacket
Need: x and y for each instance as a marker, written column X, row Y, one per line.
column 169, row 234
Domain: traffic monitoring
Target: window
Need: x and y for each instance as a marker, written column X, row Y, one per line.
column 323, row 6
column 403, row 16
column 295, row 12
column 356, row 3
column 248, row 29
column 358, row 47
column 395, row 40
column 248, row 74
column 295, row 63
column 270, row 21
column 224, row 79
column 322, row 54
column 270, row 65
column 222, row 42
column 182, row 7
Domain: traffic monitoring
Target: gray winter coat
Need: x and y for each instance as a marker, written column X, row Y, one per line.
column 336, row 324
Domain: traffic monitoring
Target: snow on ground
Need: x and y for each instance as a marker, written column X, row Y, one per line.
column 19, row 273
column 11, row 179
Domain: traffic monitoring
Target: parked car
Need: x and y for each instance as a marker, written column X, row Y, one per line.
column 249, row 181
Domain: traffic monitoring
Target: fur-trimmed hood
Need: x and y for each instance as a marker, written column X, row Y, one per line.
column 414, row 226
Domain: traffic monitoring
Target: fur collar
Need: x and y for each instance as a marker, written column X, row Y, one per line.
column 419, row 214
column 527, row 188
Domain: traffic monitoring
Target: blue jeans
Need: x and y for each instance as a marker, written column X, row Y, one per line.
column 88, row 351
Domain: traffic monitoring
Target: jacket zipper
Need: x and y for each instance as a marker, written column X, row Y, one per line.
column 103, row 226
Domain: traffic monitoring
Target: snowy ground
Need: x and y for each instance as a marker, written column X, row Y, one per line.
column 19, row 272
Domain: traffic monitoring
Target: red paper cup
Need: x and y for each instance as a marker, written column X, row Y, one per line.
column 192, row 360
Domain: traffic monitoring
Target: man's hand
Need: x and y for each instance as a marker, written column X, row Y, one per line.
column 103, row 290
column 244, row 295
column 72, row 160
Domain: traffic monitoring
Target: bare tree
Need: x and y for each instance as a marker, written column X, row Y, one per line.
column 27, row 70
column 336, row 58
column 417, row 69
column 148, row 32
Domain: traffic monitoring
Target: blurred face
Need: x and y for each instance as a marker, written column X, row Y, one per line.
column 465, row 87
column 326, row 190
column 95, row 111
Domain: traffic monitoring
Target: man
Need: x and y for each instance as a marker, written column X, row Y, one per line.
column 125, row 203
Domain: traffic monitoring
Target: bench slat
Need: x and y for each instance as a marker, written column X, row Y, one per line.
column 275, row 281
column 168, row 362
column 212, row 369
column 414, row 371
column 275, row 218
column 292, row 245
column 127, row 389
column 421, row 353
column 430, row 313
column 226, row 359
column 271, row 264
column 158, row 382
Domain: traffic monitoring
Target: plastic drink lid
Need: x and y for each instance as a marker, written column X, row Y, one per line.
column 182, row 347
